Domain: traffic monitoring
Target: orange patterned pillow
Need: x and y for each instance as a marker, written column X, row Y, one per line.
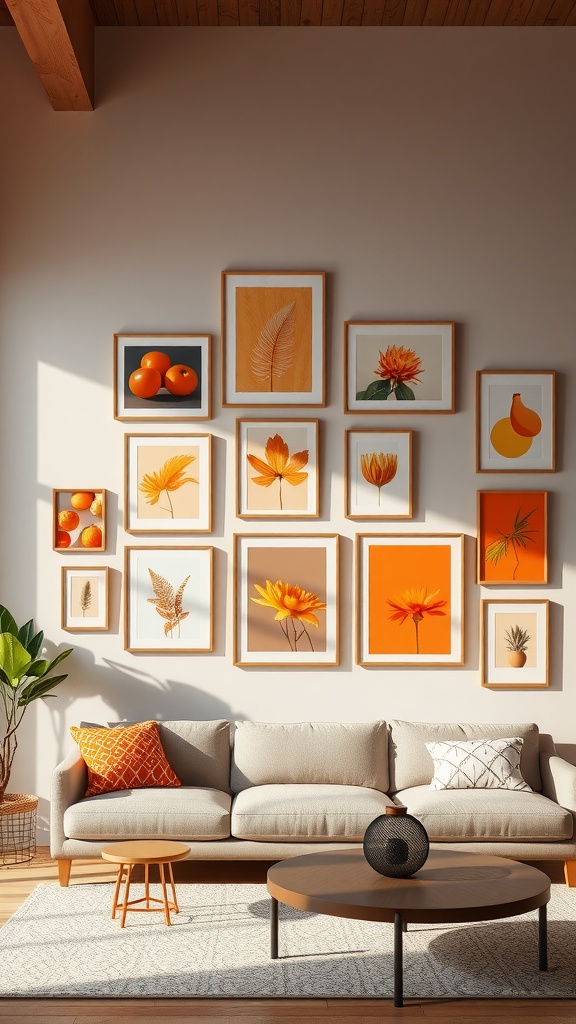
column 126, row 757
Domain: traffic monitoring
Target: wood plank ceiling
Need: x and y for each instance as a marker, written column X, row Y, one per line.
column 59, row 34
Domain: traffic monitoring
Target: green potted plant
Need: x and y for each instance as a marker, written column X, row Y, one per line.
column 24, row 677
column 517, row 640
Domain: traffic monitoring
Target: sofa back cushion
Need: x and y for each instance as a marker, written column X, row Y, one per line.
column 323, row 753
column 412, row 765
column 199, row 752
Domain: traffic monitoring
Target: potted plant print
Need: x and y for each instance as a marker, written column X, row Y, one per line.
column 517, row 640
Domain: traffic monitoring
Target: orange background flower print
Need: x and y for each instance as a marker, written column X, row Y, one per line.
column 256, row 310
column 393, row 570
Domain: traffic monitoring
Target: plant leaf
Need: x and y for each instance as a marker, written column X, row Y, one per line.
column 38, row 688
column 273, row 353
column 404, row 393
column 14, row 658
column 377, row 390
column 7, row 623
column 179, row 595
column 34, row 646
column 26, row 634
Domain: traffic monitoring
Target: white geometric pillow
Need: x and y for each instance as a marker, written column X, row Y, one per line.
column 477, row 764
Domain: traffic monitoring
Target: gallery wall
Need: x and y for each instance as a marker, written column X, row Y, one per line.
column 429, row 173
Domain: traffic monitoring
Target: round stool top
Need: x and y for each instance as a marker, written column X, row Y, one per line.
column 145, row 851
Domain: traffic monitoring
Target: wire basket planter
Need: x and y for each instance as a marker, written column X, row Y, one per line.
column 17, row 828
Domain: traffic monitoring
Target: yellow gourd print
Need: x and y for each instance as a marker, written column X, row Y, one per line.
column 512, row 436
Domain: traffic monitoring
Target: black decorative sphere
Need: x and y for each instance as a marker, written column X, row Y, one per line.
column 396, row 844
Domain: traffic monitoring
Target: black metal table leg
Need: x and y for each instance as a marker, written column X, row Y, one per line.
column 542, row 939
column 398, row 966
column 273, row 928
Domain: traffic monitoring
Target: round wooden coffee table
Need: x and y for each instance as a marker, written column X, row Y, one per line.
column 450, row 887
column 146, row 852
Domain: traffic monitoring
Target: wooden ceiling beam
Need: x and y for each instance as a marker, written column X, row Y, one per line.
column 59, row 39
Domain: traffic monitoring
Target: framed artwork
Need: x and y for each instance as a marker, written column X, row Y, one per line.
column 273, row 331
column 79, row 519
column 84, row 598
column 378, row 473
column 168, row 483
column 514, row 644
column 277, row 469
column 399, row 367
column 515, row 421
column 512, row 537
column 168, row 599
column 410, row 589
column 162, row 376
column 286, row 600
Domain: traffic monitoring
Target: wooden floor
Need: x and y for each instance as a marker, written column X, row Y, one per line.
column 16, row 882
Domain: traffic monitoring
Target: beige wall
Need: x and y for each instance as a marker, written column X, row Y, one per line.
column 429, row 172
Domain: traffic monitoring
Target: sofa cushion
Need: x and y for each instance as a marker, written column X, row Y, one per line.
column 126, row 758
column 310, row 753
column 188, row 813
column 411, row 764
column 477, row 764
column 305, row 813
column 451, row 815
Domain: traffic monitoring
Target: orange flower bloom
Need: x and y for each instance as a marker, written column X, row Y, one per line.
column 170, row 477
column 399, row 365
column 289, row 601
column 417, row 603
column 279, row 465
column 379, row 469
column 293, row 605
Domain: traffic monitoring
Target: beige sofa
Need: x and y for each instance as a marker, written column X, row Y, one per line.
column 263, row 791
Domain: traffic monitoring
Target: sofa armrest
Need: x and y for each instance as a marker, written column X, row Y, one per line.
column 69, row 781
column 559, row 781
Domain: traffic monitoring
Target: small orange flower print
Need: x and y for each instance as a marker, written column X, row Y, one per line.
column 417, row 603
column 379, row 469
column 279, row 465
column 170, row 477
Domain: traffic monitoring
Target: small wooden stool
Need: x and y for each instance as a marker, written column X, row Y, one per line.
column 146, row 852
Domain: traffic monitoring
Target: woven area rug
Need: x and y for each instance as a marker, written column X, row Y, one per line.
column 62, row 942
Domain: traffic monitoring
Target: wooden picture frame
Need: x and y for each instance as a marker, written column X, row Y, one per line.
column 187, row 396
column 168, row 483
column 286, row 611
column 410, row 599
column 79, row 519
column 277, row 472
column 378, row 473
column 84, row 598
column 168, row 600
column 515, row 421
column 512, row 538
column 514, row 645
column 273, row 327
column 398, row 366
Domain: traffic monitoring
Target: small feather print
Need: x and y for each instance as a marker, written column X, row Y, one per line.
column 273, row 353
column 85, row 597
column 168, row 603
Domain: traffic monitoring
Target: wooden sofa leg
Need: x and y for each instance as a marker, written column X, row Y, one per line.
column 64, row 867
column 570, row 873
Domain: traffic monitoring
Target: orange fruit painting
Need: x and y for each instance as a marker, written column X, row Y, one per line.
column 409, row 595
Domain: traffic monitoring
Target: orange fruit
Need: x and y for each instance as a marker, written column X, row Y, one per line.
column 96, row 506
column 91, row 537
column 81, row 500
column 68, row 519
column 181, row 379
column 62, row 539
column 144, row 382
column 157, row 361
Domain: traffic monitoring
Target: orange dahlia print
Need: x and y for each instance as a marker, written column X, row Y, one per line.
column 397, row 368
